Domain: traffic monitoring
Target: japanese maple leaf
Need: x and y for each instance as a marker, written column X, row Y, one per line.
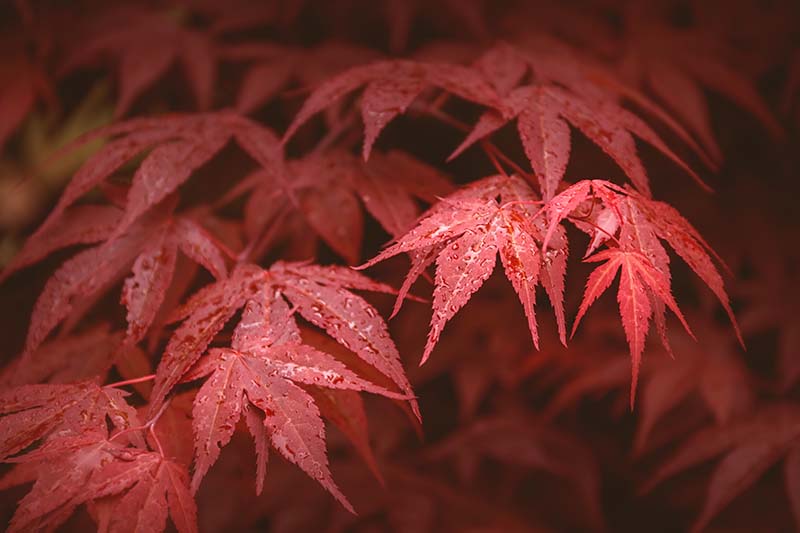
column 771, row 301
column 67, row 359
column 328, row 192
column 563, row 91
column 23, row 82
column 260, row 371
column 554, row 62
column 83, row 224
column 544, row 114
column 482, row 350
column 148, row 44
column 640, row 281
column 464, row 233
column 415, row 500
column 519, row 442
column 141, row 487
column 178, row 145
column 703, row 377
column 345, row 409
column 468, row 15
column 751, row 446
column 645, row 286
column 389, row 88
column 32, row 412
column 676, row 64
column 160, row 492
column 710, row 367
column 149, row 248
column 319, row 295
column 240, row 14
column 275, row 66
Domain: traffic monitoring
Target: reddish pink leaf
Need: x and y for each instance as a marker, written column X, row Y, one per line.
column 258, row 430
column 297, row 432
column 194, row 241
column 461, row 268
column 346, row 410
column 381, row 102
column 261, row 83
column 335, row 215
column 264, row 374
column 520, row 258
column 197, row 54
column 80, row 225
column 208, row 311
column 352, row 322
column 141, row 64
column 638, row 276
column 66, row 359
column 35, row 411
column 144, row 290
column 78, row 278
column 546, row 139
column 503, row 67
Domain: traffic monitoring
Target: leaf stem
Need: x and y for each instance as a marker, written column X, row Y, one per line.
column 333, row 134
column 258, row 245
column 595, row 226
column 489, row 146
column 147, row 426
column 493, row 159
column 131, row 381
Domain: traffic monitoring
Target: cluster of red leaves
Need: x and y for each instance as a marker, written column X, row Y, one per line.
column 281, row 341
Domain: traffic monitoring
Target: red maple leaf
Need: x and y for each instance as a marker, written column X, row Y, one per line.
column 677, row 63
column 524, row 443
column 481, row 352
column 771, row 299
column 276, row 66
column 544, row 113
column 178, row 144
column 318, row 294
column 326, row 192
column 465, row 232
column 711, row 367
column 23, row 81
column 389, row 88
column 32, row 412
column 640, row 281
column 645, row 286
column 144, row 49
column 259, row 375
column 752, row 445
column 150, row 245
column 67, row 359
column 140, row 487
